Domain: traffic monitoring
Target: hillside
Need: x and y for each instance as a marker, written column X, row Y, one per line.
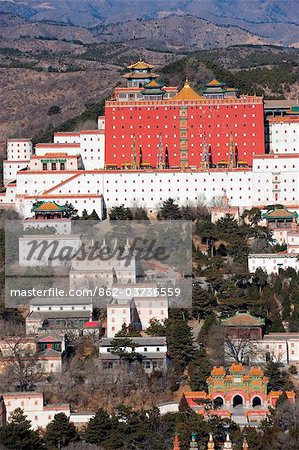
column 183, row 33
column 255, row 16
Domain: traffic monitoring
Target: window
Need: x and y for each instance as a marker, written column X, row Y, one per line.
column 53, row 166
column 62, row 166
column 45, row 166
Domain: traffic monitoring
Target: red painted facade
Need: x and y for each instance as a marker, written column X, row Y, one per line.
column 156, row 121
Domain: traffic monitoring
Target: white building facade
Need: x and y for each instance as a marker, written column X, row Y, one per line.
column 284, row 134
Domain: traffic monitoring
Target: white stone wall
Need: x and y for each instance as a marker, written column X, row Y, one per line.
column 284, row 135
column 92, row 149
column 10, row 169
column 293, row 242
column 19, row 149
column 32, row 405
column 275, row 180
column 272, row 262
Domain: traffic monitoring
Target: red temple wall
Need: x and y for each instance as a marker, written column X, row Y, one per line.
column 245, row 119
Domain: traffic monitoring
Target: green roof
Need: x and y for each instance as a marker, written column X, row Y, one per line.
column 48, row 207
column 280, row 214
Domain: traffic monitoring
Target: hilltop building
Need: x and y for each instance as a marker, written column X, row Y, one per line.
column 156, row 142
column 281, row 222
column 147, row 118
column 68, row 314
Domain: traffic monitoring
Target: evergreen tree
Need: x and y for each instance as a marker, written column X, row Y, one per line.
column 179, row 341
column 277, row 326
column 253, row 215
column 199, row 370
column 85, row 215
column 98, row 428
column 139, row 213
column 60, row 432
column 70, row 212
column 169, row 211
column 156, row 328
column 94, row 215
column 203, row 302
column 120, row 213
column 278, row 379
column 18, row 434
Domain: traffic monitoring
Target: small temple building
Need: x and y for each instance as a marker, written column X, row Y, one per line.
column 48, row 215
column 216, row 89
column 236, row 394
column 243, row 324
column 48, row 210
column 280, row 218
column 281, row 222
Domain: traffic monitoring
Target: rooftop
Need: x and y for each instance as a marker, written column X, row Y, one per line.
column 187, row 93
column 48, row 206
column 215, row 82
column 139, row 341
column 140, row 75
column 140, row 65
column 68, row 315
column 44, row 301
column 243, row 319
column 280, row 213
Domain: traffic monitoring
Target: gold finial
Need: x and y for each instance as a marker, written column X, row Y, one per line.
column 211, row 444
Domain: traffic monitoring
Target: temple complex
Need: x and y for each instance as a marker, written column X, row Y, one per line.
column 151, row 113
column 235, row 394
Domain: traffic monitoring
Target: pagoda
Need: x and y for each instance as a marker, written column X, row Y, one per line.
column 228, row 443
column 216, row 89
column 176, row 442
column 153, row 91
column 140, row 74
column 193, row 442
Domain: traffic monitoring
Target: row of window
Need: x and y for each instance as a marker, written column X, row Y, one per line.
column 166, row 108
column 54, row 166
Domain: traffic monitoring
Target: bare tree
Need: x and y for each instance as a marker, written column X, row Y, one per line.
column 238, row 348
column 22, row 370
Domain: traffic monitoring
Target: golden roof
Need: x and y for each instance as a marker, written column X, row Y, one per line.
column 187, row 93
column 236, row 368
column 218, row 371
column 256, row 371
column 140, row 65
column 214, row 82
column 48, row 206
column 140, row 75
column 153, row 84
